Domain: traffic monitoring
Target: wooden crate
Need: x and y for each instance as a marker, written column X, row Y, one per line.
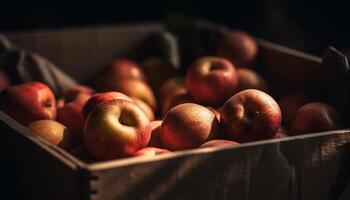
column 302, row 167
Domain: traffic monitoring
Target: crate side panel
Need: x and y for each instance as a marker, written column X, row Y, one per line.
column 40, row 174
column 300, row 169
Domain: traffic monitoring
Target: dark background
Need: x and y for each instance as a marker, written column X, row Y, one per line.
column 310, row 26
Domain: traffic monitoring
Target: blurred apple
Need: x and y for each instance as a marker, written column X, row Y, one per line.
column 240, row 48
column 249, row 79
column 28, row 102
column 211, row 80
column 150, row 152
column 217, row 143
column 145, row 107
column 154, row 141
column 53, row 132
column 315, row 117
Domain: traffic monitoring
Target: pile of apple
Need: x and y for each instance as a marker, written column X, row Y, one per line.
column 149, row 110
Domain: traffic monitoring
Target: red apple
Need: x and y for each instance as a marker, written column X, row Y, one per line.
column 157, row 71
column 315, row 117
column 71, row 116
column 240, row 48
column 249, row 79
column 217, row 142
column 136, row 89
column 28, row 102
column 100, row 98
column 215, row 111
column 177, row 99
column 116, row 129
column 290, row 104
column 154, row 141
column 118, row 70
column 211, row 80
column 4, row 81
column 145, row 107
column 53, row 132
column 171, row 86
column 188, row 126
column 250, row 115
column 73, row 92
column 150, row 152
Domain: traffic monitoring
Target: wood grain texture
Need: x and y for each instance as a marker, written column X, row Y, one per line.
column 300, row 168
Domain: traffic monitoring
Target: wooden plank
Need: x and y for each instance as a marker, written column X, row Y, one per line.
column 43, row 172
column 302, row 167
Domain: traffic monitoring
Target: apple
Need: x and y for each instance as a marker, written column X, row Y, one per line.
column 154, row 141
column 249, row 79
column 53, row 132
column 217, row 143
column 315, row 117
column 145, row 107
column 157, row 71
column 211, row 80
column 101, row 97
column 250, row 115
column 177, row 99
column 290, row 104
column 116, row 129
column 240, row 48
column 28, row 102
column 188, row 126
column 150, row 152
column 215, row 111
column 4, row 80
column 71, row 116
column 136, row 89
column 119, row 69
column 72, row 93
column 171, row 87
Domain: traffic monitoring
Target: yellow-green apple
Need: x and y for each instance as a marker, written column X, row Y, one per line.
column 150, row 152
column 117, row 70
column 188, row 126
column 136, row 89
column 28, row 102
column 211, row 80
column 249, row 79
column 250, row 115
column 145, row 107
column 4, row 81
column 315, row 117
column 100, row 98
column 72, row 93
column 219, row 142
column 53, row 132
column 290, row 104
column 239, row 47
column 116, row 129
column 157, row 71
column 154, row 141
column 71, row 116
